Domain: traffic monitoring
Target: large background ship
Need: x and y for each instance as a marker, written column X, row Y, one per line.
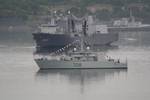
column 64, row 30
column 128, row 24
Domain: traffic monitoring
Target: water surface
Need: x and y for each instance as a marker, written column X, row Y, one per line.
column 21, row 79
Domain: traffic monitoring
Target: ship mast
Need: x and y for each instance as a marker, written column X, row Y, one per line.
column 131, row 16
column 83, row 34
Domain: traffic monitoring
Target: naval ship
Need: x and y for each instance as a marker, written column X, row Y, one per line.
column 78, row 59
column 63, row 30
column 128, row 24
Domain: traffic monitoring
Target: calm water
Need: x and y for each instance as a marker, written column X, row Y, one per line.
column 20, row 78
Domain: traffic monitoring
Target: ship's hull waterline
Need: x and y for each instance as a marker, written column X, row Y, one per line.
column 54, row 64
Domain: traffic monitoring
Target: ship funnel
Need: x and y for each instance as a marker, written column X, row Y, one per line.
column 90, row 20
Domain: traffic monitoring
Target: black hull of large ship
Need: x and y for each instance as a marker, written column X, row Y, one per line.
column 52, row 42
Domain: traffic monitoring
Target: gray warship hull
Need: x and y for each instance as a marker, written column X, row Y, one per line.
column 54, row 64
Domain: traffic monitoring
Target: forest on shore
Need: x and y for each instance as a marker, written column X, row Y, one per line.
column 104, row 9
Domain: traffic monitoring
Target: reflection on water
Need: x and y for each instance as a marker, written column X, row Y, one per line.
column 79, row 76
